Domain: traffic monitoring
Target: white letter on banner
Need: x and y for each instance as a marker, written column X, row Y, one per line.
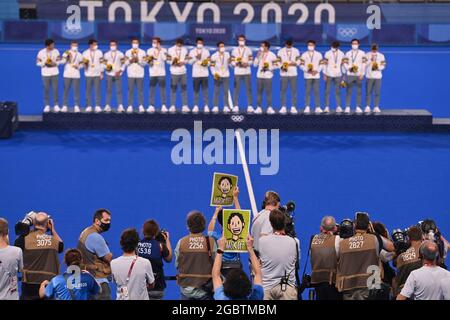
column 247, row 7
column 374, row 21
column 181, row 17
column 90, row 5
column 73, row 22
column 150, row 16
column 265, row 12
column 304, row 12
column 119, row 5
column 208, row 6
column 324, row 7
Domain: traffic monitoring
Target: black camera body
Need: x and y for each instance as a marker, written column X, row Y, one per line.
column 288, row 210
column 400, row 240
column 161, row 236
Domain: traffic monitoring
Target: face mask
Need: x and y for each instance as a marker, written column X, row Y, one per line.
column 135, row 45
column 334, row 49
column 222, row 49
column 154, row 45
column 104, row 226
column 74, row 49
column 95, row 47
column 241, row 43
column 311, row 48
column 355, row 46
column 113, row 48
column 199, row 46
column 262, row 49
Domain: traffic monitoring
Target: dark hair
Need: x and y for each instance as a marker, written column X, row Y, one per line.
column 49, row 42
column 236, row 214
column 311, row 41
column 157, row 39
column 74, row 41
column 99, row 214
column 277, row 220
column 289, row 42
column 266, row 43
column 196, row 222
column 129, row 240
column 150, row 229
column 113, row 40
column 199, row 39
column 414, row 233
column 134, row 39
column 220, row 42
column 357, row 40
column 92, row 41
column 380, row 229
column 374, row 46
column 73, row 257
column 225, row 178
column 179, row 40
column 241, row 36
column 362, row 222
column 271, row 198
column 335, row 44
column 237, row 285
column 3, row 227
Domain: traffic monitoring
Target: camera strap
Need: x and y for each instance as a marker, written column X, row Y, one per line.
column 307, row 257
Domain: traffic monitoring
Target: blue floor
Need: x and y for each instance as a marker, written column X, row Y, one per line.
column 414, row 78
column 398, row 178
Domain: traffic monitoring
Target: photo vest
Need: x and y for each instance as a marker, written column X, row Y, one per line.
column 323, row 259
column 93, row 264
column 407, row 262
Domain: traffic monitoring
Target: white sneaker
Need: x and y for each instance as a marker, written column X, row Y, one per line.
column 130, row 109
column 206, row 109
column 367, row 109
column 56, row 109
column 195, row 109
column 185, row 109
column 283, row 110
column 250, row 109
column 215, row 110
column 258, row 110
column 151, row 109
column 164, row 109
column 47, row 109
column 64, row 109
column 120, row 109
column 226, row 109
column 326, row 110
column 76, row 109
column 339, row 110
column 293, row 110
column 141, row 109
column 318, row 110
column 172, row 109
column 107, row 108
column 307, row 110
column 88, row 109
column 347, row 110
column 98, row 109
column 376, row 110
column 359, row 110
column 270, row 110
column 235, row 109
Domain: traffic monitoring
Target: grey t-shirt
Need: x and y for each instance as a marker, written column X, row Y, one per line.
column 445, row 285
column 278, row 255
column 141, row 274
column 11, row 261
column 425, row 283
column 261, row 226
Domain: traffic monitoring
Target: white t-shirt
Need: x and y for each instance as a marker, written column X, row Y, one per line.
column 158, row 67
column 11, row 261
column 425, row 283
column 445, row 285
column 141, row 275
column 41, row 59
column 199, row 71
column 261, row 225
column 73, row 63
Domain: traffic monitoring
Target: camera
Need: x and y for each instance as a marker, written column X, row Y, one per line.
column 22, row 228
column 400, row 239
column 161, row 236
column 432, row 233
column 346, row 229
column 288, row 210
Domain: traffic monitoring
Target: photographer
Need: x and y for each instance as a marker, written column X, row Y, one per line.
column 155, row 247
column 324, row 248
column 261, row 224
column 11, row 262
column 408, row 261
column 237, row 285
column 82, row 288
column 95, row 252
column 431, row 232
column 425, row 283
column 194, row 260
column 357, row 256
column 279, row 256
column 40, row 254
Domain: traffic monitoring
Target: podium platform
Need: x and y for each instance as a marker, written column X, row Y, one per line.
column 401, row 120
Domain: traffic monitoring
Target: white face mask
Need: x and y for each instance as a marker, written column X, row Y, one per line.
column 334, row 49
column 222, row 49
column 95, row 47
column 113, row 48
column 135, row 45
column 74, row 49
column 262, row 49
column 311, row 48
column 241, row 43
column 154, row 44
column 199, row 46
column 355, row 46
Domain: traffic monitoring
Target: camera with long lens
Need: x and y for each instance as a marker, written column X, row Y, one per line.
column 23, row 227
column 346, row 229
column 432, row 233
column 400, row 240
column 288, row 210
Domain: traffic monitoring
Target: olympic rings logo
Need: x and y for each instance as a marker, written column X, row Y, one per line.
column 347, row 32
column 237, row 118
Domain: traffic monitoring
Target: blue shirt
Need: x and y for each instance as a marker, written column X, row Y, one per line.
column 96, row 244
column 227, row 256
column 57, row 288
column 256, row 294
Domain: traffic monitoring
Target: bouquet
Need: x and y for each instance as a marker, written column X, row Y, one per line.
column 239, row 61
column 175, row 61
column 374, row 66
column 310, row 67
column 343, row 84
column 285, row 66
column 265, row 67
column 134, row 52
column 49, row 62
column 354, row 68
column 67, row 53
column 109, row 67
column 216, row 76
column 149, row 59
column 205, row 62
column 86, row 62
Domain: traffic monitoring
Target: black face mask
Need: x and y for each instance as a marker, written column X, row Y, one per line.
column 104, row 226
